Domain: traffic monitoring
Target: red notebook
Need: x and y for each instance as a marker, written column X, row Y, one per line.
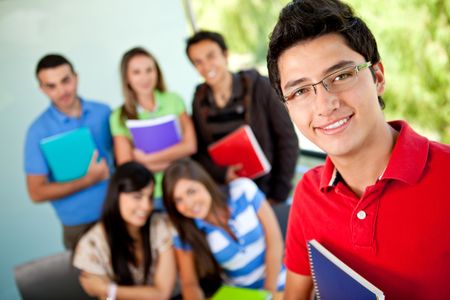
column 240, row 147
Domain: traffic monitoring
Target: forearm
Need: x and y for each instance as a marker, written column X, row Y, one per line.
column 298, row 287
column 123, row 150
column 159, row 161
column 274, row 245
column 141, row 292
column 192, row 292
column 183, row 149
column 47, row 191
column 190, row 286
column 273, row 262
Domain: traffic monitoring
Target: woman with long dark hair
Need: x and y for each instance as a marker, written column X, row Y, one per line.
column 230, row 234
column 128, row 254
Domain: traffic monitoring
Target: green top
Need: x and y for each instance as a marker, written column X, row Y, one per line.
column 166, row 103
column 232, row 292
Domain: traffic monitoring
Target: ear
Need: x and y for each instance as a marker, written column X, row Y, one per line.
column 39, row 80
column 225, row 53
column 380, row 82
column 42, row 87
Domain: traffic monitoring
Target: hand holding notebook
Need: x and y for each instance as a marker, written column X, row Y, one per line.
column 98, row 169
column 335, row 280
column 240, row 147
column 154, row 135
column 69, row 154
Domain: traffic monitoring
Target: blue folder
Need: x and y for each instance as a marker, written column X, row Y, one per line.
column 68, row 154
column 334, row 280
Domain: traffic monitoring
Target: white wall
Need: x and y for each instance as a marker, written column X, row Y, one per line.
column 93, row 34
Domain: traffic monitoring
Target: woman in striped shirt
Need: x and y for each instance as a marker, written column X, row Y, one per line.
column 232, row 235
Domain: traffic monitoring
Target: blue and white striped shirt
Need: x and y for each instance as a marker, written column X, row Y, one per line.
column 243, row 260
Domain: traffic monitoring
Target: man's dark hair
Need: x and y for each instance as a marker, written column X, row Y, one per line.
column 203, row 35
column 52, row 61
column 303, row 20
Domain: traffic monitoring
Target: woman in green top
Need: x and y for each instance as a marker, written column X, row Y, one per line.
column 146, row 98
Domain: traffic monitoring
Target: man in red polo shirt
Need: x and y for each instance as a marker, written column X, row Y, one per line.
column 381, row 202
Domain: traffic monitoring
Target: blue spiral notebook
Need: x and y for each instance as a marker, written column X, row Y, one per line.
column 68, row 154
column 334, row 280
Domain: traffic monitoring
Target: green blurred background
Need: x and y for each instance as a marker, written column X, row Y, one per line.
column 413, row 38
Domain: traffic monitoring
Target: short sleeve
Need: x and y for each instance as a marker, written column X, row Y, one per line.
column 178, row 104
column 34, row 161
column 161, row 233
column 169, row 104
column 251, row 191
column 89, row 255
column 117, row 127
column 177, row 242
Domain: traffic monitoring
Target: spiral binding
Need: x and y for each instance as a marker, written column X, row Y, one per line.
column 313, row 274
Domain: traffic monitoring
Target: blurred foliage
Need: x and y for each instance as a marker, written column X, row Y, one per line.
column 246, row 24
column 413, row 38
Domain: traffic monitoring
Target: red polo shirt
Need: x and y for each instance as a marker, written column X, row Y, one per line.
column 397, row 235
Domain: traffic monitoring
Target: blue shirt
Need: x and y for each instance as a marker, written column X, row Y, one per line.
column 84, row 206
column 243, row 260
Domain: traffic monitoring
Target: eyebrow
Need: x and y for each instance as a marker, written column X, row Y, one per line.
column 53, row 84
column 329, row 70
column 49, row 85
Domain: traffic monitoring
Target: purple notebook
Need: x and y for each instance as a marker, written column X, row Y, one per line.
column 155, row 134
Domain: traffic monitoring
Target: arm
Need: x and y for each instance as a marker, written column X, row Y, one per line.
column 163, row 284
column 190, row 286
column 123, row 149
column 298, row 279
column 124, row 152
column 97, row 286
column 274, row 246
column 186, row 147
column 298, row 287
column 40, row 189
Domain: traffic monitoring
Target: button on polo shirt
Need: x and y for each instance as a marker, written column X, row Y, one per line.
column 364, row 214
column 361, row 215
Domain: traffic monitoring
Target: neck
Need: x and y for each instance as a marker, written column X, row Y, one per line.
column 74, row 110
column 217, row 217
column 222, row 90
column 147, row 101
column 363, row 169
column 134, row 232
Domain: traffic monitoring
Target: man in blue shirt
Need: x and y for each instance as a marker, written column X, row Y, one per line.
column 78, row 203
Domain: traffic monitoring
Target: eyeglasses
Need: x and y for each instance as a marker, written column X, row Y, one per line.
column 335, row 82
